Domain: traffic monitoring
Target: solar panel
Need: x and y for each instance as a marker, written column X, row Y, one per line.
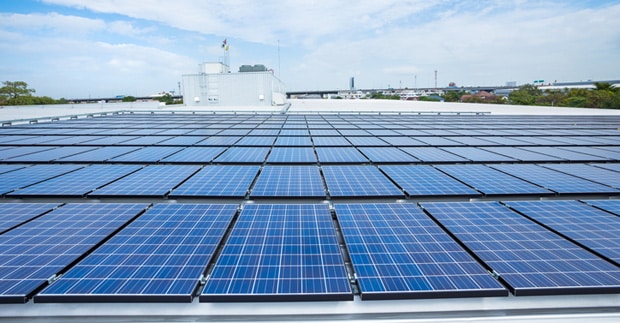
column 256, row 141
column 565, row 154
column 553, row 180
column 160, row 257
column 146, row 140
column 219, row 141
column 478, row 155
column 289, row 181
column 595, row 174
column 194, row 155
column 421, row 180
column 490, row 181
column 50, row 155
column 11, row 167
column 77, row 183
column 352, row 181
column 522, row 154
column 330, row 141
column 612, row 206
column 387, row 155
column 13, row 214
column 366, row 141
column 182, row 140
column 27, row 176
column 599, row 152
column 36, row 251
column 614, row 167
column 340, row 155
column 280, row 252
column 243, row 155
column 529, row 258
column 218, row 180
column 402, row 141
column 399, row 252
column 433, row 155
column 147, row 154
column 154, row 180
column 292, row 155
column 595, row 229
column 293, row 141
column 99, row 155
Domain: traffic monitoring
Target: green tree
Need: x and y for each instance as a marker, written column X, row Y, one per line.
column 14, row 90
column 525, row 95
column 454, row 96
column 129, row 98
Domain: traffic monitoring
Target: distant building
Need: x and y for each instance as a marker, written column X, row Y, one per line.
column 215, row 85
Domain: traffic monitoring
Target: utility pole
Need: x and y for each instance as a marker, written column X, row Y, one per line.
column 435, row 79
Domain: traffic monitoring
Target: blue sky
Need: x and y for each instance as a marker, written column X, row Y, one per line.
column 103, row 48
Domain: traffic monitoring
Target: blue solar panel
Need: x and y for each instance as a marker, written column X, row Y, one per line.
column 27, row 176
column 293, row 141
column 287, row 252
column 218, row 180
column 340, row 155
column 478, row 155
column 402, row 141
column 11, row 167
column 99, row 154
column 34, row 252
column 553, row 180
column 79, row 182
column 289, row 181
column 530, row 258
column 50, row 155
column 433, row 155
column 612, row 206
column 154, row 180
column 351, row 181
column 13, row 214
column 160, row 257
column 147, row 154
column 595, row 174
column 565, row 154
column 24, row 150
column 330, row 141
column 219, row 141
column 182, row 140
column 194, row 155
column 243, row 155
column 595, row 151
column 490, row 181
column 399, row 252
column 595, row 229
column 614, row 167
column 522, row 154
column 367, row 141
column 424, row 180
column 387, row 155
column 292, row 155
column 146, row 140
column 256, row 141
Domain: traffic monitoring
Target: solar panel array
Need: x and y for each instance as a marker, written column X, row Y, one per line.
column 267, row 207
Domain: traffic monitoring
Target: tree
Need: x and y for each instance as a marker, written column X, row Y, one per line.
column 14, row 90
column 129, row 98
column 525, row 95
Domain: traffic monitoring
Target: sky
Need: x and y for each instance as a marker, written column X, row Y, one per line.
column 103, row 48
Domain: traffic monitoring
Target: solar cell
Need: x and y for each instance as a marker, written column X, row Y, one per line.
column 13, row 214
column 553, row 180
column 351, row 181
column 292, row 155
column 293, row 141
column 433, row 154
column 160, row 257
column 399, row 252
column 77, row 183
column 595, row 174
column 194, row 155
column 422, row 180
column 243, row 155
column 218, row 180
column 280, row 252
column 478, row 155
column 289, row 181
column 256, row 141
column 147, row 154
column 612, row 206
column 219, row 141
column 154, row 180
column 330, row 141
column 99, row 155
column 340, row 155
column 490, row 181
column 27, row 176
column 387, row 155
column 366, row 141
column 529, row 258
column 595, row 229
column 34, row 252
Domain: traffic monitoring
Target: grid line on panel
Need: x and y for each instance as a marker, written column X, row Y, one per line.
column 160, row 256
column 528, row 257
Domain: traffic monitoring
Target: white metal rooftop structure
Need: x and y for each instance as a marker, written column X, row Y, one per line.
column 556, row 308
